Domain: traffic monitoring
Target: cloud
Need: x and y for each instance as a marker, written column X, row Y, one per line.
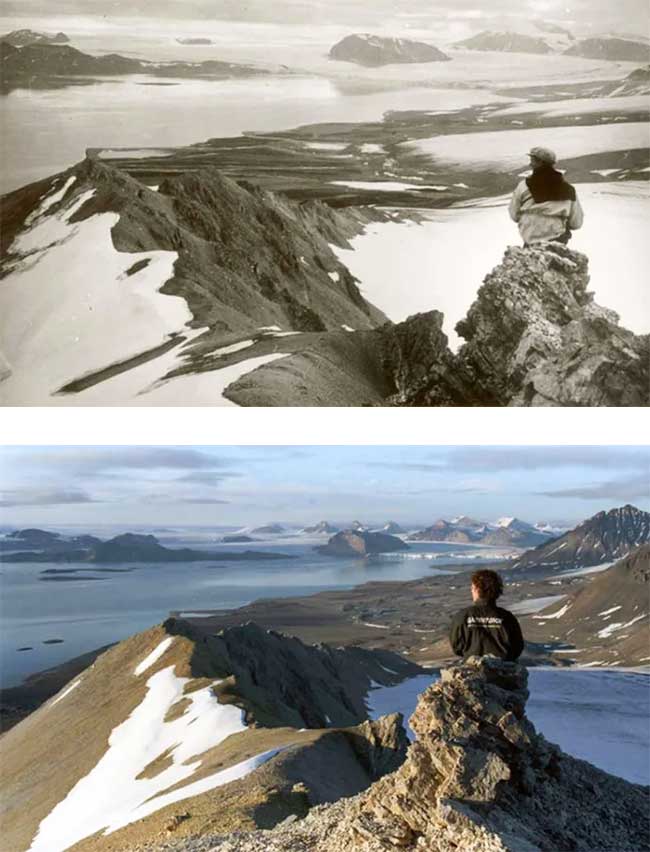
column 44, row 497
column 206, row 477
column 614, row 489
column 99, row 459
column 536, row 458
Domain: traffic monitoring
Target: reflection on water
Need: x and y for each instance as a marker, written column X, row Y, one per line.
column 88, row 613
column 45, row 131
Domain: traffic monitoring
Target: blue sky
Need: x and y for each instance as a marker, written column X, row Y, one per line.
column 136, row 486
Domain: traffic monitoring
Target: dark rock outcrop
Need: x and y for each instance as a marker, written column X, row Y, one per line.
column 372, row 50
column 361, row 543
column 479, row 778
column 281, row 681
column 534, row 337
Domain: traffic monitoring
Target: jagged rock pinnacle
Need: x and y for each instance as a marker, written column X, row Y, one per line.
column 479, row 778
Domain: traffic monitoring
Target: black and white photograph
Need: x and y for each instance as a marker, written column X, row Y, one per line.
column 325, row 649
column 341, row 203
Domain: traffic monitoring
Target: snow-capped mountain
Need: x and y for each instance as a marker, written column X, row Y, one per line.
column 605, row 537
column 466, row 530
column 373, row 50
column 321, row 528
column 176, row 721
column 518, row 35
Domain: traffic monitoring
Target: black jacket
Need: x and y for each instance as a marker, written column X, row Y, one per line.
column 485, row 629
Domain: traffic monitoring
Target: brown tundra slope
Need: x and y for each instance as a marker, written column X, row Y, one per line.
column 478, row 778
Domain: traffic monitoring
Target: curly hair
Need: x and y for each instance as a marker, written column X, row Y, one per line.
column 488, row 583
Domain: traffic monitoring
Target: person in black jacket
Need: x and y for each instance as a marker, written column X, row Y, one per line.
column 484, row 629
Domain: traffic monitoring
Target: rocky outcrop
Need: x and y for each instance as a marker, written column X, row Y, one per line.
column 361, row 543
column 534, row 337
column 372, row 50
column 479, row 778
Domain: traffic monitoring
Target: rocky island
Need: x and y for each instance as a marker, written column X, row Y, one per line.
column 373, row 51
column 128, row 547
column 361, row 543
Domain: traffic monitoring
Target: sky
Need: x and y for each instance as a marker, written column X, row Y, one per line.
column 597, row 15
column 137, row 486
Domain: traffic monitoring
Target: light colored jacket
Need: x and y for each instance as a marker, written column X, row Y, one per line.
column 542, row 222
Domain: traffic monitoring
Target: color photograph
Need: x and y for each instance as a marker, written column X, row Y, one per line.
column 247, row 648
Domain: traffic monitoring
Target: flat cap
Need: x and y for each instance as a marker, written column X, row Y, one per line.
column 543, row 154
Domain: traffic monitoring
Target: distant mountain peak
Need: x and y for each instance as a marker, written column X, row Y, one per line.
column 373, row 50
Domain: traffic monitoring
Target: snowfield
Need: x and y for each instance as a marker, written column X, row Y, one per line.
column 142, row 738
column 596, row 715
column 506, row 149
column 407, row 268
column 68, row 309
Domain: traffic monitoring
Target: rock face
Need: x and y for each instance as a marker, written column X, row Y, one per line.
column 615, row 49
column 361, row 543
column 505, row 42
column 479, row 778
column 534, row 337
column 371, row 50
column 202, row 704
column 603, row 538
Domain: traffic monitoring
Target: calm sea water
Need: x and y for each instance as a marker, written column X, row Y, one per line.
column 45, row 131
column 88, row 613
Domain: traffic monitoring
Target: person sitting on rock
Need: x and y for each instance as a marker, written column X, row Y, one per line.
column 545, row 206
column 484, row 629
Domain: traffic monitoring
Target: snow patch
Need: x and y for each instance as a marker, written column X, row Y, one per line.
column 535, row 605
column 558, row 614
column 65, row 692
column 134, row 744
column 62, row 301
column 153, row 657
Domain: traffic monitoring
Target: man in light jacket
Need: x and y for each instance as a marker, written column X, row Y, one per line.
column 544, row 205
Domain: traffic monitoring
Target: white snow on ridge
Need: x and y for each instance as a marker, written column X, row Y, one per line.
column 51, row 200
column 616, row 626
column 65, row 692
column 61, row 304
column 558, row 614
column 154, row 656
column 132, row 746
column 609, row 611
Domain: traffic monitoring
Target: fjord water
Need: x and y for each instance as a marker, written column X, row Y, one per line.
column 105, row 607
column 47, row 130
